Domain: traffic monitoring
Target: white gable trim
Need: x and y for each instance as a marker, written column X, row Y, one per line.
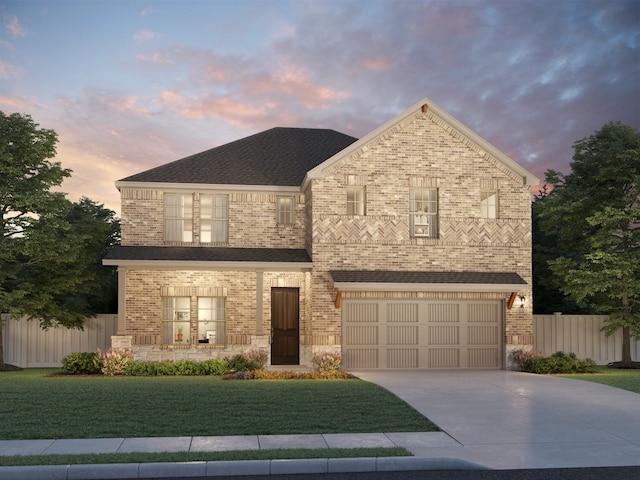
column 528, row 179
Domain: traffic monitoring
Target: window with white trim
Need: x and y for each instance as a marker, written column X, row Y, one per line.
column 489, row 204
column 356, row 200
column 214, row 218
column 178, row 217
column 176, row 320
column 423, row 212
column 285, row 211
column 211, row 320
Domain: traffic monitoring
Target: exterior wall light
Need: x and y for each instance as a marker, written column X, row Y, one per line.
column 522, row 300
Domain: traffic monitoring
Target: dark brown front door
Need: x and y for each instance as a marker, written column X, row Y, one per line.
column 285, row 320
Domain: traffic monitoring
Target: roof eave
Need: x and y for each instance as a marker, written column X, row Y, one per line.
column 208, row 265
column 167, row 186
column 428, row 287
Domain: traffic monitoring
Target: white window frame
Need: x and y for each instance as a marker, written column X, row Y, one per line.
column 489, row 204
column 178, row 217
column 285, row 210
column 356, row 200
column 176, row 320
column 423, row 212
column 214, row 218
column 212, row 320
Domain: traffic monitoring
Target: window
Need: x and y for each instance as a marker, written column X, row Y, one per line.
column 423, row 212
column 489, row 204
column 211, row 320
column 214, row 218
column 285, row 213
column 356, row 200
column 176, row 319
column 178, row 218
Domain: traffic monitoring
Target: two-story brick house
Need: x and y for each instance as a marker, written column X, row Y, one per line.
column 408, row 248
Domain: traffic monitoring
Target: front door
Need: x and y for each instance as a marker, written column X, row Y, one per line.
column 285, row 328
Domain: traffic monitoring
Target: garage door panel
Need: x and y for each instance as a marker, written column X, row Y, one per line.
column 362, row 358
column 361, row 335
column 444, row 357
column 444, row 336
column 397, row 335
column 483, row 335
column 361, row 312
column 444, row 312
column 483, row 358
column 402, row 313
column 402, row 358
column 483, row 312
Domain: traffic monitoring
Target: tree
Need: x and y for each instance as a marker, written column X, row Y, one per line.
column 594, row 215
column 50, row 248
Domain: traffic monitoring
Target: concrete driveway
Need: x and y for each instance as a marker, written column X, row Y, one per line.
column 512, row 420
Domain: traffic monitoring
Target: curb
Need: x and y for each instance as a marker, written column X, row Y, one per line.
column 126, row 471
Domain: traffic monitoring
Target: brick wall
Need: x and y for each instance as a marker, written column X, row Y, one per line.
column 420, row 152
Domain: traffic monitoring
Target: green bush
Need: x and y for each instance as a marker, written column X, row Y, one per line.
column 217, row 366
column 82, row 363
column 241, row 363
column 559, row 362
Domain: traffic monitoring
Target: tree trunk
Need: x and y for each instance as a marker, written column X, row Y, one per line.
column 626, row 345
column 1, row 343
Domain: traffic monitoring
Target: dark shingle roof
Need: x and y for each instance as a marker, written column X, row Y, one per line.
column 208, row 254
column 279, row 156
column 374, row 276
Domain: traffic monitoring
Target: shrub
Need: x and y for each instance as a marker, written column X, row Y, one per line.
column 559, row 362
column 242, row 362
column 215, row 366
column 327, row 361
column 82, row 363
column 258, row 357
column 114, row 361
column 290, row 375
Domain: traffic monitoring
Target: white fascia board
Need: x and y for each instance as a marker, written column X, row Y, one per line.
column 427, row 287
column 527, row 177
column 195, row 265
column 203, row 187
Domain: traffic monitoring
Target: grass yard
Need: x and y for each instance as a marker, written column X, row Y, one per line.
column 39, row 407
column 614, row 377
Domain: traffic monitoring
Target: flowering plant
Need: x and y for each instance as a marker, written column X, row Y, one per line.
column 257, row 357
column 525, row 359
column 114, row 361
column 327, row 361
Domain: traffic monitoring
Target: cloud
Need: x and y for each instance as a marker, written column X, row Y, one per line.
column 8, row 71
column 13, row 25
column 145, row 36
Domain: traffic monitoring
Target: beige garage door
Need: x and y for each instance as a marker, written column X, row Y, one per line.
column 424, row 334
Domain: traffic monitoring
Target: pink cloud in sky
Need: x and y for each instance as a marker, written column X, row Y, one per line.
column 8, row 70
column 13, row 25
column 145, row 36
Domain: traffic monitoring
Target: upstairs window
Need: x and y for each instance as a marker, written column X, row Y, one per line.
column 211, row 320
column 178, row 218
column 489, row 204
column 176, row 322
column 214, row 218
column 356, row 200
column 285, row 211
column 423, row 212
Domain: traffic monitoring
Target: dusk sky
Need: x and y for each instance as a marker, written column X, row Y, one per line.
column 129, row 85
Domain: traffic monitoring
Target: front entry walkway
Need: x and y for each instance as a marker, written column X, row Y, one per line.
column 512, row 420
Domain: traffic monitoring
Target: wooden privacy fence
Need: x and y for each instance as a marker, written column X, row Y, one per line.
column 27, row 345
column 580, row 334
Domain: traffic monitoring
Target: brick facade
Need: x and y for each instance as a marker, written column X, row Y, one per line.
column 422, row 150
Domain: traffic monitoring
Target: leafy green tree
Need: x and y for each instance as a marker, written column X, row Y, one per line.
column 594, row 216
column 50, row 248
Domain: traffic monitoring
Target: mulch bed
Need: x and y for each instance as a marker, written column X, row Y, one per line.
column 626, row 365
column 7, row 367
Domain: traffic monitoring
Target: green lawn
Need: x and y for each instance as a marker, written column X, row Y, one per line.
column 614, row 377
column 35, row 406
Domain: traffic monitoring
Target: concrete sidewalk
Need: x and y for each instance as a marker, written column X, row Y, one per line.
column 490, row 419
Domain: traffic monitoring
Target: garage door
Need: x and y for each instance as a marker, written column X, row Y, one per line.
column 424, row 334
